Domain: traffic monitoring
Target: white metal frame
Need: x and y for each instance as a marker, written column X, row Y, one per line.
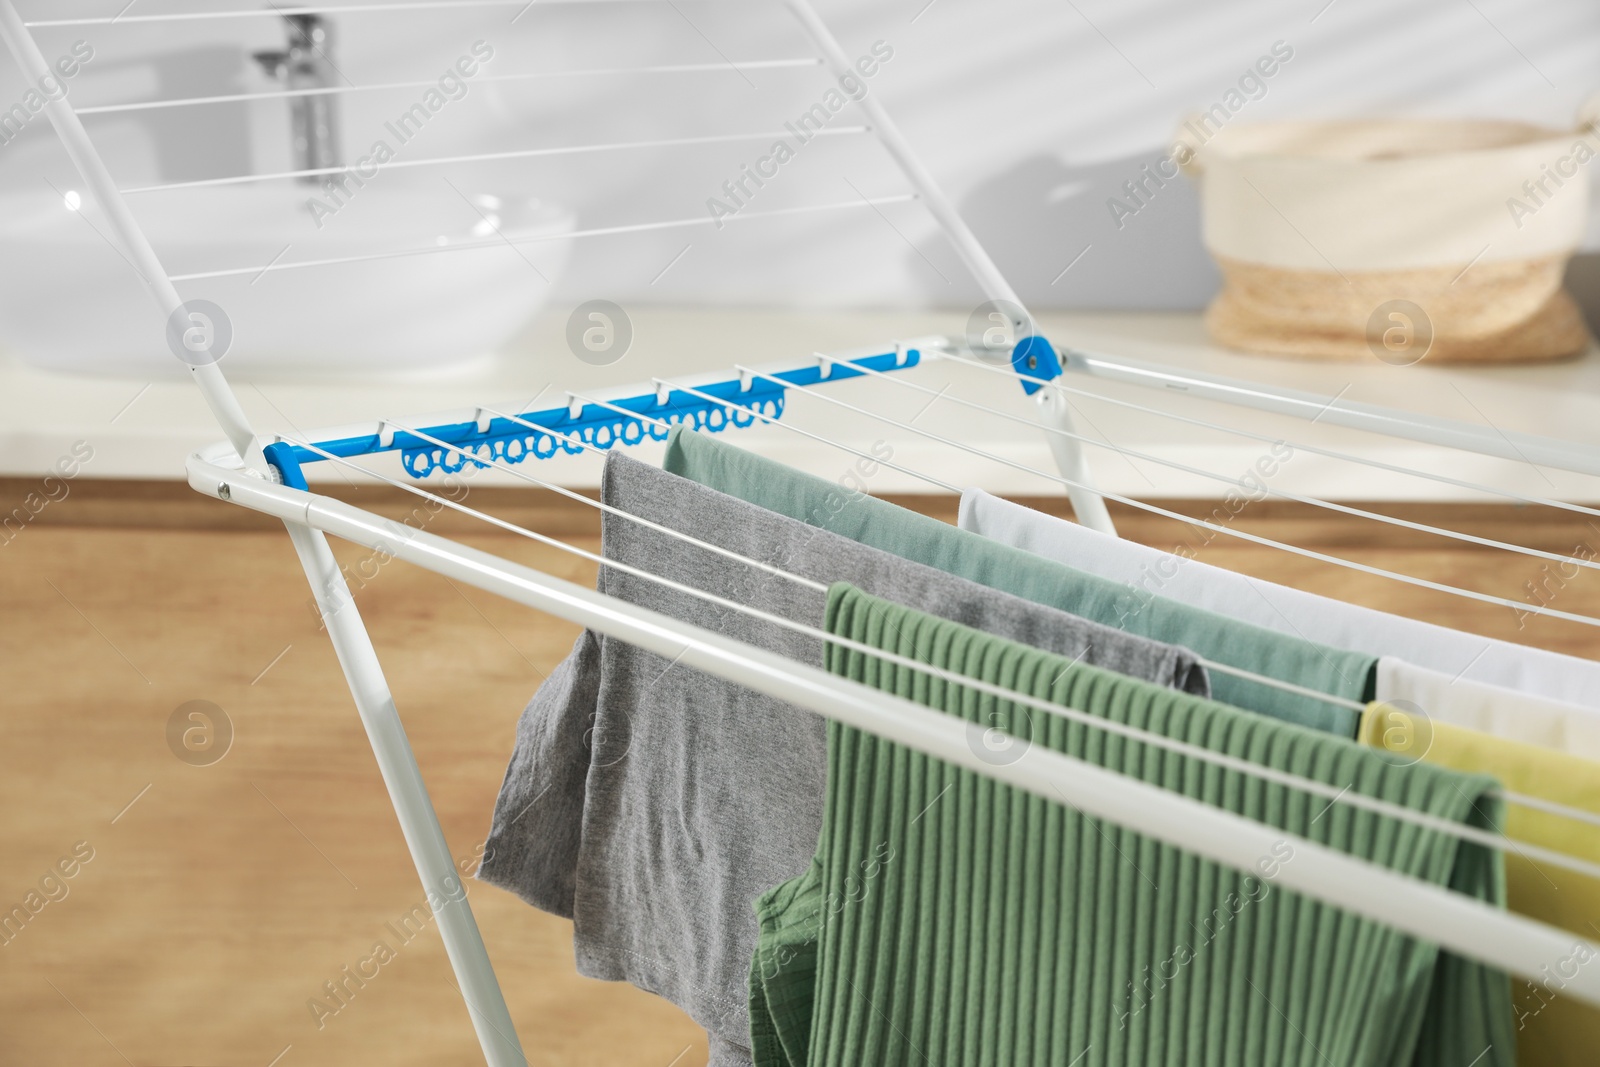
column 237, row 471
column 1461, row 924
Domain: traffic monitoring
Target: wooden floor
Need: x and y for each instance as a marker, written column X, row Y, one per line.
column 220, row 898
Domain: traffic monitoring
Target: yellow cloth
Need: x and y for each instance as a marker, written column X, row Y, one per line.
column 1553, row 1031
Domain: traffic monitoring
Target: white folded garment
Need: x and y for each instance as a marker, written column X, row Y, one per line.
column 1490, row 709
column 1509, row 690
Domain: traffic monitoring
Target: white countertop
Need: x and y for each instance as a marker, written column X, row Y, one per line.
column 144, row 429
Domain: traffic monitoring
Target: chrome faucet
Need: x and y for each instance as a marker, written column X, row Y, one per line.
column 307, row 63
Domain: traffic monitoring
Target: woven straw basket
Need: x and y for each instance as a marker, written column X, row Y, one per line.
column 1401, row 239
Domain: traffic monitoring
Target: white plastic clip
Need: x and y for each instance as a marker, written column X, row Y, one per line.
column 663, row 393
column 746, row 379
column 825, row 363
column 385, row 435
column 900, row 354
column 483, row 421
column 574, row 407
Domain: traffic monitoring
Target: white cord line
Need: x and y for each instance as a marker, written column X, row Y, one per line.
column 489, row 157
column 503, row 239
column 1424, row 583
column 328, row 90
column 768, row 419
column 1330, row 505
column 305, row 9
column 1353, row 705
column 131, row 240
column 1550, row 807
column 1221, row 668
column 820, row 587
column 1444, row 479
column 1278, row 683
column 1344, row 795
column 1211, row 665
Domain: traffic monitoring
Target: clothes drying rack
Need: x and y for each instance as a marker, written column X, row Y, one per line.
column 267, row 475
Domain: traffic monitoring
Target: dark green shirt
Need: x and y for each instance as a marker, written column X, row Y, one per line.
column 950, row 919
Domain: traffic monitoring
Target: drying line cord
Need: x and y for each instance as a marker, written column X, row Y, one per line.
column 488, row 157
column 332, row 90
column 302, row 9
column 1424, row 583
column 1439, row 531
column 514, row 239
column 949, row 355
column 1221, row 668
column 600, row 505
column 1333, row 795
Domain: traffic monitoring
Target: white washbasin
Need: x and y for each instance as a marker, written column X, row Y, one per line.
column 70, row 301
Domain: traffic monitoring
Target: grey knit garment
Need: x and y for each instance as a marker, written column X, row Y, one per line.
column 652, row 803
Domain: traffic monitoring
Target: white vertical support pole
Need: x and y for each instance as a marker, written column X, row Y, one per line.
column 1089, row 507
column 213, row 386
column 409, row 795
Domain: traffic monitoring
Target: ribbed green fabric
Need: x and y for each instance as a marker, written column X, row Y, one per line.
column 783, row 970
column 860, row 517
column 950, row 919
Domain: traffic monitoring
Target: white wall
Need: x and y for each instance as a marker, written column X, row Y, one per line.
column 1030, row 112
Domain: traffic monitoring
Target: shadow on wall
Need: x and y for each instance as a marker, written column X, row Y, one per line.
column 189, row 144
column 1050, row 228
column 163, row 145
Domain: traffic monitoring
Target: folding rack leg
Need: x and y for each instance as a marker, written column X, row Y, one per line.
column 418, row 821
column 1089, row 507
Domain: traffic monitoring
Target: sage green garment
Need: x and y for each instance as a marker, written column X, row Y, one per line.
column 851, row 512
column 949, row 919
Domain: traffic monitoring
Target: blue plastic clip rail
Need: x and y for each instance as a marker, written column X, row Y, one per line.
column 506, row 441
